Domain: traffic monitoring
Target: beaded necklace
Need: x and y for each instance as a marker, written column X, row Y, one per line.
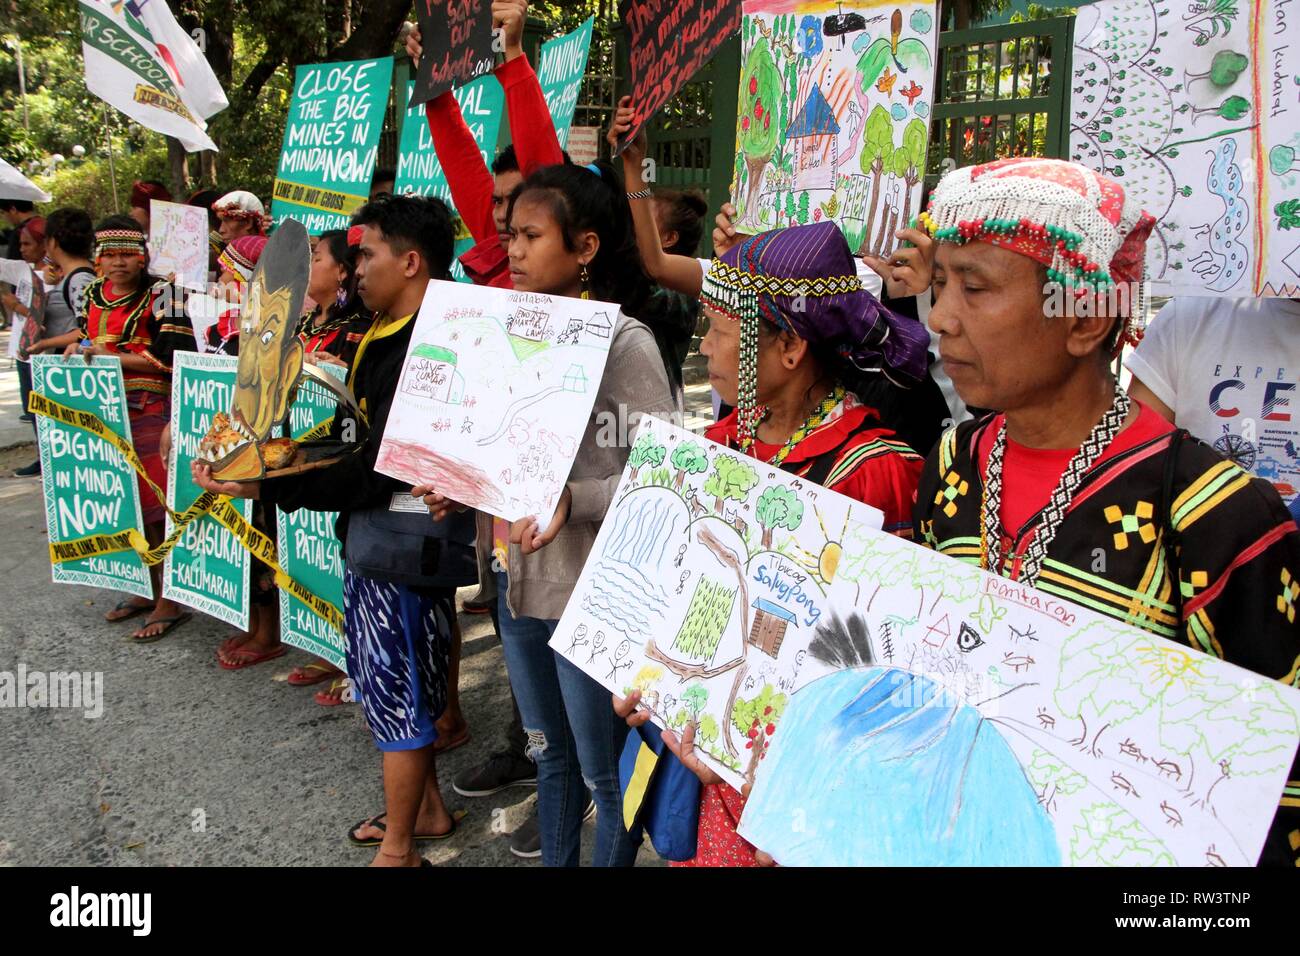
column 816, row 418
column 991, row 558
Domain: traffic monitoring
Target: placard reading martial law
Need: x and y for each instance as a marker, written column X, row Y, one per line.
column 495, row 396
column 331, row 141
column 209, row 568
column 308, row 549
column 90, row 490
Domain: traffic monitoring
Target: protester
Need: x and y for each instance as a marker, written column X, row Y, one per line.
column 571, row 235
column 143, row 192
column 1073, row 487
column 239, row 213
column 481, row 199
column 787, row 317
column 1227, row 371
column 236, row 265
column 400, row 570
column 381, row 184
column 120, row 318
column 330, row 335
column 28, row 318
column 69, row 238
column 16, row 212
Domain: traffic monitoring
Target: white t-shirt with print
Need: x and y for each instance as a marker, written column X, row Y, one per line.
column 1230, row 370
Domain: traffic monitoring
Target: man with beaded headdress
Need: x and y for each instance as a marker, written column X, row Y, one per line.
column 125, row 315
column 1072, row 487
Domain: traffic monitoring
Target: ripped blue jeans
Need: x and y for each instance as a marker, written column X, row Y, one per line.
column 575, row 739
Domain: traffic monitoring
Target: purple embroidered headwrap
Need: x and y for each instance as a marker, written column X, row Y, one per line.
column 802, row 279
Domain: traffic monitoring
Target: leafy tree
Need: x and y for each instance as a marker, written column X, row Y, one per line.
column 1288, row 214
column 877, row 150
column 760, row 94
column 646, row 449
column 689, row 459
column 732, row 479
column 757, row 718
column 778, row 507
column 708, row 730
column 909, row 159
column 695, row 697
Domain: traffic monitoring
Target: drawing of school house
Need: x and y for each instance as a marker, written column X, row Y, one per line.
column 814, row 133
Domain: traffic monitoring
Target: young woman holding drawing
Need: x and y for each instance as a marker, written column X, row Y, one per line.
column 571, row 235
column 788, row 319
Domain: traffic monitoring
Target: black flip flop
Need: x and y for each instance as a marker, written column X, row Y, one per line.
column 135, row 609
column 456, row 817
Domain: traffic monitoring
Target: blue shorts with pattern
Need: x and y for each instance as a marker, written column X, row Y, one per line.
column 398, row 655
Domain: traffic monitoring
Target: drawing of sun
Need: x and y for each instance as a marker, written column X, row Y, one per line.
column 1171, row 665
column 822, row 565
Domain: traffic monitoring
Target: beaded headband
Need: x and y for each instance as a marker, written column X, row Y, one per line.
column 119, row 240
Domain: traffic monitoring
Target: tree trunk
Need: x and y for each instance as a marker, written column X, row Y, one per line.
column 877, row 173
column 717, row 505
column 878, row 247
column 681, row 476
column 767, row 538
column 178, row 163
column 756, row 165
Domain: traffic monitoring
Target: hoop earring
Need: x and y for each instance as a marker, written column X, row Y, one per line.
column 584, row 277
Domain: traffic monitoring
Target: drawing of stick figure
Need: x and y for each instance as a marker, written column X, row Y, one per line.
column 618, row 663
column 597, row 644
column 578, row 638
column 681, row 554
column 682, row 583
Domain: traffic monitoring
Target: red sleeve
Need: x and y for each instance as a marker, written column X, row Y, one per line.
column 469, row 180
column 887, row 482
column 531, row 128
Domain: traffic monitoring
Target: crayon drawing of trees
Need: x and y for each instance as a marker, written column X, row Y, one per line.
column 778, row 507
column 689, row 459
column 756, row 719
column 877, row 151
column 760, row 93
column 732, row 480
column 646, row 450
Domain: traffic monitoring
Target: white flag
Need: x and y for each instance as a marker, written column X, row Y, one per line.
column 140, row 60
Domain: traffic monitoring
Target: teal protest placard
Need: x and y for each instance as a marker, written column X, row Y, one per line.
column 561, row 65
column 331, row 140
column 419, row 171
column 209, row 568
column 309, row 551
column 90, row 489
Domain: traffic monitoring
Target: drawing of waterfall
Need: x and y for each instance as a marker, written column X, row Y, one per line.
column 626, row 591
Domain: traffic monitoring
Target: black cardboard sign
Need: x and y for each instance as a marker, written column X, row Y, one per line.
column 457, row 39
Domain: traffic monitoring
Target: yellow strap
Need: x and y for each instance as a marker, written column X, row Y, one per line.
column 634, row 795
column 262, row 547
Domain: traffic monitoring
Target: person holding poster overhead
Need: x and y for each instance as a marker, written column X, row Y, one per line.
column 571, row 235
column 1074, row 487
column 481, row 198
column 788, row 320
column 400, row 569
column 120, row 318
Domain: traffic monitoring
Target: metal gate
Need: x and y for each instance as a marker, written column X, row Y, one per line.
column 1002, row 91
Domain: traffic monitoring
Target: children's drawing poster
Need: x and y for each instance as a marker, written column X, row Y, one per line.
column 561, row 65
column 703, row 588
column 209, row 568
column 419, row 171
column 178, row 243
column 971, row 720
column 1195, row 109
column 834, row 118
column 90, row 490
column 496, row 395
column 309, row 551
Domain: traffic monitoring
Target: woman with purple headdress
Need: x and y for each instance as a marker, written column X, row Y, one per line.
column 788, row 320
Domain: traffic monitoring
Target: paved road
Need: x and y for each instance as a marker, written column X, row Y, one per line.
column 278, row 778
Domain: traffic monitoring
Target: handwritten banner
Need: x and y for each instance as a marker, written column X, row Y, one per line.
column 209, row 568
column 90, row 489
column 670, row 40
column 309, row 551
column 457, row 39
column 331, row 140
